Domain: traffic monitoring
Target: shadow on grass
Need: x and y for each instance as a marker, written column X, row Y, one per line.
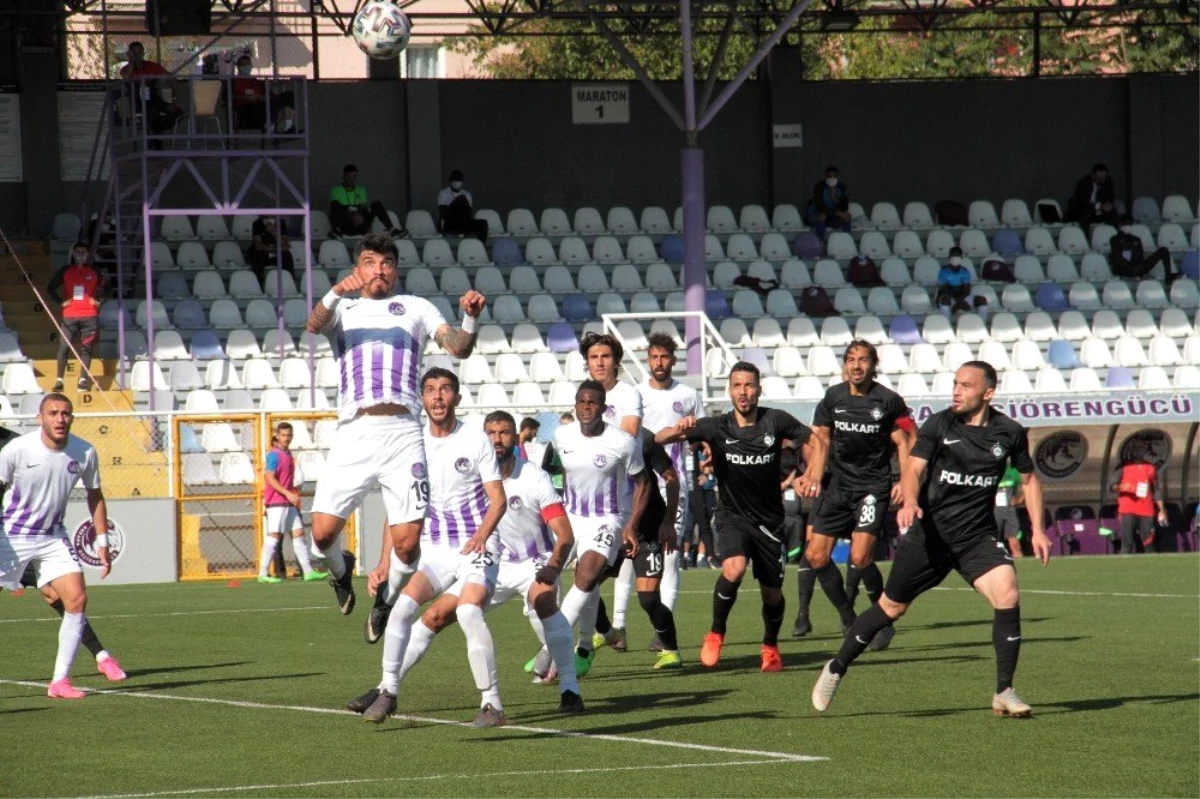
column 157, row 686
column 1040, row 709
column 175, row 669
column 946, row 625
column 22, row 710
column 1064, row 639
column 642, row 726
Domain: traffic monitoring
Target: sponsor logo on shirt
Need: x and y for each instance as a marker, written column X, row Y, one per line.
column 855, row 427
column 749, row 460
column 396, row 308
column 970, row 480
column 462, row 465
column 610, row 411
column 83, row 541
column 768, row 440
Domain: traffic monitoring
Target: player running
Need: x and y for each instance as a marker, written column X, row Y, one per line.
column 949, row 525
column 460, row 555
column 39, row 469
column 281, row 499
column 745, row 446
column 531, row 560
column 859, row 420
column 378, row 339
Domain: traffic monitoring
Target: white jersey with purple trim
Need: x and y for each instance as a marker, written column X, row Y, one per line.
column 595, row 470
column 523, row 534
column 459, row 464
column 40, row 480
column 622, row 400
column 664, row 407
column 378, row 344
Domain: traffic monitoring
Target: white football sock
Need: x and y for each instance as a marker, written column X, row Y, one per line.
column 558, row 641
column 333, row 557
column 102, row 656
column 418, row 645
column 668, row 589
column 573, row 602
column 70, row 631
column 481, row 654
column 300, row 547
column 270, row 544
column 399, row 573
column 395, row 641
column 622, row 588
column 587, row 620
column 539, row 629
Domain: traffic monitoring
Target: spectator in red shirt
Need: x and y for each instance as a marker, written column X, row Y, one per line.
column 1139, row 494
column 161, row 111
column 249, row 98
column 81, row 310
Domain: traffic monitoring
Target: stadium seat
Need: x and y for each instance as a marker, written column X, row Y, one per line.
column 1102, row 238
column 554, row 222
column 1107, row 325
column 1049, row 380
column 1191, row 349
column 419, row 280
column 201, row 400
column 1095, row 354
column 746, row 304
column 1072, row 241
column 924, row 358
column 1116, row 294
column 885, row 216
column 1027, row 356
column 925, row 271
column 937, row 329
column 881, row 300
column 491, row 340
column 1082, row 295
column 1185, row 294
column 1061, row 268
column 1172, row 237
column 1177, row 209
column 895, row 272
column 510, row 368
column 971, row 329
column 917, row 216
column 907, row 244
column 1015, row 214
column 903, row 329
column 419, row 224
column 1163, row 351
column 1062, row 355
column 258, row 374
column 294, row 373
column 471, row 252
column 1186, row 376
column 610, row 303
column 835, row 332
column 319, row 225
column 1040, row 327
column 573, row 251
column 1005, row 327
column 19, row 378
column 526, row 338
column 840, row 245
column 788, row 362
column 982, row 214
column 793, row 274
column 801, row 332
column 974, row 244
column 1085, row 379
column 161, row 256
column 276, row 400
column 208, row 285
column 849, row 301
column 660, row 277
column 524, row 280
column 140, row 377
column 915, row 301
column 192, row 256
column 734, row 332
column 720, row 220
column 713, row 249
column 1028, row 269
column 176, row 227
column 957, row 353
column 1153, row 378
column 644, row 302
column 521, row 223
column 545, row 368
column 870, row 328
column 621, row 222
column 809, row 387
column 1145, row 210
column 1150, row 294
column 892, row 359
column 506, row 252
column 874, row 245
column 259, row 315
column 588, row 222
column 1014, row 382
column 542, row 307
column 1015, row 297
column 808, row 245
column 243, row 285
column 1038, row 241
column 157, row 310
column 332, row 254
column 827, row 274
column 786, row 218
column 495, row 224
column 172, row 286
column 753, row 219
column 219, row 437
column 715, row 304
column 822, row 362
column 1120, row 377
column 741, row 248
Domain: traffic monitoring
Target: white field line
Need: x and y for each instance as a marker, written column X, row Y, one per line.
column 691, row 747
column 175, row 613
column 433, row 777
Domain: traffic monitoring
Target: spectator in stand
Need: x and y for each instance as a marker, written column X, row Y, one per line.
column 1139, row 494
column 263, row 252
column 830, row 204
column 551, row 464
column 249, row 98
column 80, row 309
column 161, row 109
column 1093, row 200
column 954, row 292
column 1127, row 256
column 456, row 210
column 702, row 504
column 862, row 272
column 528, row 447
column 351, row 213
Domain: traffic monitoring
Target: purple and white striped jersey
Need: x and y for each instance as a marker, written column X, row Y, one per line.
column 459, row 464
column 378, row 344
column 523, row 533
column 595, row 470
column 663, row 408
column 39, row 482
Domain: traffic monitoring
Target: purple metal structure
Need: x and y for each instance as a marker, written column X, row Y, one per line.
column 692, row 121
column 235, row 172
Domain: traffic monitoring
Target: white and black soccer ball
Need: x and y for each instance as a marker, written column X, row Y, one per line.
column 381, row 29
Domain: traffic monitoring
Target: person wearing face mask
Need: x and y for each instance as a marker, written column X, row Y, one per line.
column 456, row 210
column 954, row 293
column 830, row 204
column 81, row 311
column 249, row 97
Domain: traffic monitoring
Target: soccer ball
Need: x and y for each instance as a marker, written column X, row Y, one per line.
column 381, row 29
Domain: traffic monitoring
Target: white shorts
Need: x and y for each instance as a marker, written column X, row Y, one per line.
column 51, row 556
column 515, row 579
column 283, row 519
column 448, row 570
column 601, row 534
column 388, row 450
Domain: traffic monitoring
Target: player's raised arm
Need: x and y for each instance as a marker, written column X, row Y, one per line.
column 669, row 435
column 460, row 341
column 497, row 505
column 322, row 313
column 99, row 510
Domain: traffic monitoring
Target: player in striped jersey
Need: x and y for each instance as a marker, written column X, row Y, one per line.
column 535, row 540
column 378, row 338
column 39, row 469
column 459, row 555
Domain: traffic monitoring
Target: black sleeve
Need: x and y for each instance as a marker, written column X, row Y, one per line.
column 53, row 285
column 705, row 430
column 844, row 203
column 548, row 458
column 822, row 417
column 656, row 457
column 791, row 428
column 928, row 439
column 1020, row 452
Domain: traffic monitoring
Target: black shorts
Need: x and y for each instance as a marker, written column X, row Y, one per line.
column 840, row 512
column 1008, row 523
column 766, row 550
column 923, row 559
column 649, row 560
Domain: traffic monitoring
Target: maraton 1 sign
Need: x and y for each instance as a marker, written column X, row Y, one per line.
column 599, row 103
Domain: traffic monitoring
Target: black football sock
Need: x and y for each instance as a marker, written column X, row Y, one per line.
column 724, row 595
column 772, row 620
column 603, row 623
column 872, row 580
column 88, row 636
column 661, row 617
column 869, row 622
column 807, row 580
column 831, row 584
column 853, row 578
column 1006, row 638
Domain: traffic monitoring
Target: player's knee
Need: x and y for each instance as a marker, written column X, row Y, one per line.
column 437, row 618
column 771, row 596
column 816, row 558
column 76, row 603
column 733, row 570
column 861, row 560
column 407, row 551
column 892, row 608
column 543, row 600
column 1007, row 597
column 649, row 600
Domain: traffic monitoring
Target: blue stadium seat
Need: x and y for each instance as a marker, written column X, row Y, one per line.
column 672, row 248
column 1120, row 377
column 576, row 308
column 190, row 316
column 808, row 245
column 111, row 313
column 172, row 286
column 715, row 305
column 1051, row 297
column 1061, row 355
column 205, row 346
column 561, row 338
column 506, row 252
column 903, row 330
column 1007, row 242
column 1190, row 264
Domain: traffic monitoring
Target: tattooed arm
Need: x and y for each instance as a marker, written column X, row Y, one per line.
column 320, row 317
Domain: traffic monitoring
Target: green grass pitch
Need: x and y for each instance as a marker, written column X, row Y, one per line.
column 237, row 692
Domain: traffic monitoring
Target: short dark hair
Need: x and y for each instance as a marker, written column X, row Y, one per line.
column 956, row 250
column 500, row 417
column 607, row 339
column 989, row 371
column 662, row 341
column 831, row 169
column 592, row 385
column 528, row 422
column 381, row 243
column 283, row 426
column 132, row 45
column 1098, row 167
column 746, row 366
column 55, row 396
column 872, row 353
column 349, row 168
column 439, row 373
column 456, row 174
